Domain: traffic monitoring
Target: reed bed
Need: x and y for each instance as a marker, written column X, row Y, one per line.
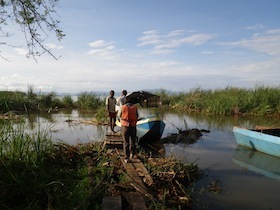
column 262, row 100
column 31, row 101
column 35, row 173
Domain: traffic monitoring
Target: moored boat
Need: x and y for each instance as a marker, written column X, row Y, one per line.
column 263, row 140
column 148, row 128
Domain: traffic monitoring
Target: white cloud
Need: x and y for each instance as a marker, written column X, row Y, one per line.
column 54, row 46
column 255, row 27
column 197, row 39
column 164, row 44
column 175, row 33
column 103, row 50
column 267, row 42
column 207, row 52
column 161, row 52
column 21, row 51
column 150, row 38
column 100, row 43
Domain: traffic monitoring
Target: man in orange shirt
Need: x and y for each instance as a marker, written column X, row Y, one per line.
column 129, row 116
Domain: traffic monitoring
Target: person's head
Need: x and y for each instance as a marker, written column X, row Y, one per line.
column 112, row 93
column 124, row 92
column 127, row 100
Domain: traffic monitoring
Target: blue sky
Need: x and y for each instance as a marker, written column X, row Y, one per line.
column 175, row 45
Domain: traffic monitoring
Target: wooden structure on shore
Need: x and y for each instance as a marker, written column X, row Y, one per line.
column 139, row 179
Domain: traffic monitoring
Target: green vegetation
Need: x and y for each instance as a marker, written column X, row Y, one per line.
column 36, row 173
column 89, row 101
column 31, row 101
column 229, row 101
column 259, row 101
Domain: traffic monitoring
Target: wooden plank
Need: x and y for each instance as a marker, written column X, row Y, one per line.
column 143, row 172
column 135, row 180
column 135, row 200
column 113, row 136
column 113, row 140
column 133, row 175
column 112, row 203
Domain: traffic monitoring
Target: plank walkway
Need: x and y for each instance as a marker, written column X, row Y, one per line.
column 139, row 179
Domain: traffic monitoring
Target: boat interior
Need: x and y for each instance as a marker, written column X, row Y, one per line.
column 271, row 131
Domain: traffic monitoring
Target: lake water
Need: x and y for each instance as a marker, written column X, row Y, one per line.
column 249, row 180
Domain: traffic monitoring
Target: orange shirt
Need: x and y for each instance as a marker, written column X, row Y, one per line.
column 129, row 115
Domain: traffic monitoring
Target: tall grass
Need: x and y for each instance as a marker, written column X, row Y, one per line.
column 262, row 100
column 88, row 100
column 37, row 174
column 12, row 100
column 17, row 145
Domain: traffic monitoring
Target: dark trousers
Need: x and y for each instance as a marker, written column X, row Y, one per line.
column 129, row 139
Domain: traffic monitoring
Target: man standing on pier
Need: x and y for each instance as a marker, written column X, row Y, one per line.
column 129, row 116
column 111, row 102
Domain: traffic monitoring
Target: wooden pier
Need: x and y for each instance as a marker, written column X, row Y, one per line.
column 139, row 179
column 113, row 139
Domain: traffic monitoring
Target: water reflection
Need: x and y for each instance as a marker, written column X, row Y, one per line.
column 258, row 162
column 65, row 125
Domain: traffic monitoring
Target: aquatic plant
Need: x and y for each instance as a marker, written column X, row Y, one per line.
column 262, row 100
column 87, row 101
column 67, row 102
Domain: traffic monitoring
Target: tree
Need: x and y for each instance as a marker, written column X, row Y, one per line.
column 36, row 20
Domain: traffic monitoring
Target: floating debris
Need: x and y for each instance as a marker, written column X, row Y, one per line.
column 186, row 137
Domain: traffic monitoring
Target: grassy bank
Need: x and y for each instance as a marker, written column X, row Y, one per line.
column 262, row 100
column 35, row 173
column 31, row 101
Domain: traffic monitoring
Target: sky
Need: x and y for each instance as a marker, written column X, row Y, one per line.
column 175, row 45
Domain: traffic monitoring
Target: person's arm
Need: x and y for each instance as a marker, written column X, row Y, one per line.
column 107, row 105
column 118, row 101
column 119, row 114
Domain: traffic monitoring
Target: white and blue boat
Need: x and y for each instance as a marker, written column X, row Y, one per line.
column 148, row 128
column 263, row 140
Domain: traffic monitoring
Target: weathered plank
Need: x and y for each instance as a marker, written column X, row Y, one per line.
column 112, row 203
column 143, row 172
column 113, row 140
column 135, row 180
column 135, row 200
column 133, row 175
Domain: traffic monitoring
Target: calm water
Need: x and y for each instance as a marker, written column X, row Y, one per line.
column 249, row 180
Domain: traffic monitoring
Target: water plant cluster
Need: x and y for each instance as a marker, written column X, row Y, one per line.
column 32, row 101
column 261, row 100
column 36, row 173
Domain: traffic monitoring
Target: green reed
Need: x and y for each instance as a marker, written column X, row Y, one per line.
column 89, row 100
column 17, row 145
column 35, row 173
column 262, row 100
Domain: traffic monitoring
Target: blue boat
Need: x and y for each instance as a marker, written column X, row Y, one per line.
column 258, row 162
column 263, row 140
column 148, row 128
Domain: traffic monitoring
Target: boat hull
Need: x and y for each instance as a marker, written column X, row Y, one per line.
column 258, row 140
column 150, row 129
